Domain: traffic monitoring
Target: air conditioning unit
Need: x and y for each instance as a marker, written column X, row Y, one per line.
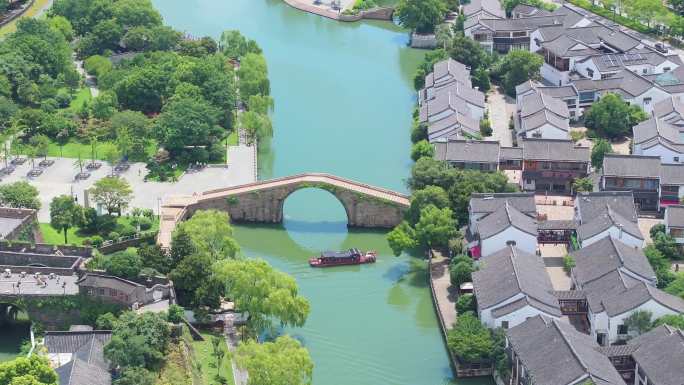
column 22, row 274
column 51, row 276
column 8, row 273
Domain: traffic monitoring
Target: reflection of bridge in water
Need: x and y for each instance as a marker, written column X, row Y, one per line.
column 262, row 202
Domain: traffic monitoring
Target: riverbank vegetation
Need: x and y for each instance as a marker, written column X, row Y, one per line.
column 165, row 98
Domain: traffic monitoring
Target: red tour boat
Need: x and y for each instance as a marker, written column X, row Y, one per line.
column 340, row 258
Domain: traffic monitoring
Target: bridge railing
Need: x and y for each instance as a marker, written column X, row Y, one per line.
column 304, row 176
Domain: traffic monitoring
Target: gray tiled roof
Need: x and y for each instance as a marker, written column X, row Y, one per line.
column 492, row 7
column 538, row 101
column 635, row 166
column 675, row 215
column 659, row 354
column 637, row 295
column 672, row 174
column 510, row 153
column 453, row 127
column 593, row 204
column 487, row 203
column 606, row 286
column 509, row 272
column 657, row 131
column 467, row 151
column 603, row 221
column 72, row 341
column 503, row 218
column 529, row 10
column 463, row 92
column 522, row 24
column 446, row 72
column 443, row 101
column 87, row 365
column 78, row 372
column 554, row 149
column 609, row 254
column 668, row 106
column 554, row 353
column 625, row 83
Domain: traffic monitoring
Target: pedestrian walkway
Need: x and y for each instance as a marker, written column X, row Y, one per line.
column 445, row 295
column 500, row 111
column 232, row 340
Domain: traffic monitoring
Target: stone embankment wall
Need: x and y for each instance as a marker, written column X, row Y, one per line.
column 383, row 13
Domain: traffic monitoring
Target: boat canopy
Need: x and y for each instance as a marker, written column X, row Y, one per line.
column 351, row 253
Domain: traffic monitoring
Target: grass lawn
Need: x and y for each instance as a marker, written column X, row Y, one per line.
column 73, row 148
column 80, row 98
column 54, row 237
column 232, row 139
column 203, row 355
column 32, row 11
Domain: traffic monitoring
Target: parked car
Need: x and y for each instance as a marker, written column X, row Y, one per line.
column 661, row 47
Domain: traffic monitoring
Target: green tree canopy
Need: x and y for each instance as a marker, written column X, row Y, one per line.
column 34, row 370
column 282, row 362
column 673, row 320
column 420, row 199
column 114, row 193
column 421, row 15
column 461, row 269
column 518, row 66
column 402, row 238
column 188, row 127
column 125, row 264
column 138, row 340
column 676, row 287
column 422, row 149
column 436, row 226
column 255, row 287
column 612, row 117
column 65, row 214
column 136, row 376
column 234, row 45
column 469, row 339
column 469, row 52
column 583, row 185
column 639, row 322
column 599, row 151
column 253, row 75
column 19, row 195
column 211, row 234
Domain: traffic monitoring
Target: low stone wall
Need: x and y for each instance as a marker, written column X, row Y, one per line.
column 380, row 13
column 6, row 21
column 24, row 259
column 27, row 216
column 423, row 41
column 43, row 248
column 61, row 271
column 123, row 245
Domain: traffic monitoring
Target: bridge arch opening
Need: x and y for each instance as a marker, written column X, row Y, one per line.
column 315, row 218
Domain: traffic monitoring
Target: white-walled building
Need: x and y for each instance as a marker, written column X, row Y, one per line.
column 607, row 213
column 546, row 351
column 506, row 226
column 542, row 117
column 511, row 285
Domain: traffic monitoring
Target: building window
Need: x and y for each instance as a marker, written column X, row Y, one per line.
column 590, row 73
column 644, row 71
column 647, row 101
column 676, row 159
column 504, row 324
column 623, row 329
column 666, row 69
column 101, row 291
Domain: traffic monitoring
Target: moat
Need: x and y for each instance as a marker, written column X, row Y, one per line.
column 343, row 99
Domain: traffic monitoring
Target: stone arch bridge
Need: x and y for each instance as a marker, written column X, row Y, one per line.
column 262, row 202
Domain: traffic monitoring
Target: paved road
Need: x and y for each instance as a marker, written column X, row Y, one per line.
column 500, row 108
column 59, row 179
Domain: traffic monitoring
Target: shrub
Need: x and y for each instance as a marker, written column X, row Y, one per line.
column 96, row 241
column 486, row 126
column 113, row 235
column 460, row 270
column 568, row 263
column 465, row 303
column 126, row 230
column 176, row 314
column 145, row 223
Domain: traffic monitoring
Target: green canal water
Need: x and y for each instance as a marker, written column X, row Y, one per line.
column 11, row 337
column 343, row 99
